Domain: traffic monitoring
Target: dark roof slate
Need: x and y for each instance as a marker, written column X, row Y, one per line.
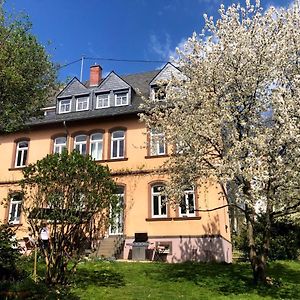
column 139, row 83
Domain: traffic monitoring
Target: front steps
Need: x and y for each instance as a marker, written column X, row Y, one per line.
column 111, row 246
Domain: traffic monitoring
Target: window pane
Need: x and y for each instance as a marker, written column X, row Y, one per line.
column 83, row 149
column 115, row 149
column 118, row 134
column 121, row 148
column 80, row 138
column 191, row 203
column 161, row 147
column 96, row 136
column 61, row 140
column 23, row 144
column 155, row 205
column 12, row 212
column 24, row 157
column 183, row 205
column 19, row 159
column 163, row 205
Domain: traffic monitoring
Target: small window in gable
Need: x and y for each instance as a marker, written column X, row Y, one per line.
column 82, row 103
column 102, row 101
column 121, row 99
column 64, row 106
column 158, row 93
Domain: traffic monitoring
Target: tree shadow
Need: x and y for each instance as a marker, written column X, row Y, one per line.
column 210, row 247
column 233, row 279
column 103, row 277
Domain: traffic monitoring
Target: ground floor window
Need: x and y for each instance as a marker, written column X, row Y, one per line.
column 158, row 201
column 15, row 208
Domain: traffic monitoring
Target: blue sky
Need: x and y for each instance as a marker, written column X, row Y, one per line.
column 121, row 29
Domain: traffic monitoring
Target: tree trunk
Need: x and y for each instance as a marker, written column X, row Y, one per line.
column 258, row 262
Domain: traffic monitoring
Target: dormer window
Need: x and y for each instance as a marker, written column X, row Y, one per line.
column 121, row 99
column 82, row 103
column 64, row 106
column 102, row 101
column 158, row 93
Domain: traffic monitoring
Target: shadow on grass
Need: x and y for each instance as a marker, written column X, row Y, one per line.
column 234, row 279
column 103, row 277
column 28, row 289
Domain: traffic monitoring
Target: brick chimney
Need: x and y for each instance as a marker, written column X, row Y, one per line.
column 95, row 75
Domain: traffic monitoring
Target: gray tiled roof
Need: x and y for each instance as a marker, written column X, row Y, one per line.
column 139, row 83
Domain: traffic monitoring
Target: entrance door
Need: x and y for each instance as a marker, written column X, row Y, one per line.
column 117, row 217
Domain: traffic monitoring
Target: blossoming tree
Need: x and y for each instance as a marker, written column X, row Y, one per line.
column 234, row 116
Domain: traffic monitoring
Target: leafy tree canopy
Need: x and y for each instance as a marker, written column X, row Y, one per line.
column 71, row 196
column 27, row 77
column 235, row 114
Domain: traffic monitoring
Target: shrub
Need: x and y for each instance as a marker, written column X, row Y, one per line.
column 285, row 240
column 9, row 254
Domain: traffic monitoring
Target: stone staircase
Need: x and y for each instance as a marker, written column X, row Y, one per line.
column 111, row 246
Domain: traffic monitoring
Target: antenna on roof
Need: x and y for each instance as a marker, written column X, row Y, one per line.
column 81, row 69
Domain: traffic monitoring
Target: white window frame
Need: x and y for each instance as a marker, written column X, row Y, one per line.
column 99, row 98
column 157, row 138
column 185, row 201
column 60, row 106
column 118, row 140
column 98, row 143
column 80, row 143
column 83, row 99
column 162, row 202
column 117, row 96
column 17, row 210
column 60, row 146
column 22, row 151
column 117, row 219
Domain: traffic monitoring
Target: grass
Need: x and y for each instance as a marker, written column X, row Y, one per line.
column 123, row 280
column 117, row 280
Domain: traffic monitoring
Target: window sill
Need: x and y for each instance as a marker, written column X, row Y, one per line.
column 112, row 159
column 173, row 219
column 156, row 156
column 17, row 168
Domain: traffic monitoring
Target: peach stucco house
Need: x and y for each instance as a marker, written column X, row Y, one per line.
column 101, row 119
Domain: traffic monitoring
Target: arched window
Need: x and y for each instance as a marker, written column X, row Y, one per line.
column 59, row 144
column 158, row 201
column 80, row 143
column 96, row 146
column 117, row 144
column 21, row 154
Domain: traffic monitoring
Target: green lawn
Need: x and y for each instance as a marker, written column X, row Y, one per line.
column 122, row 280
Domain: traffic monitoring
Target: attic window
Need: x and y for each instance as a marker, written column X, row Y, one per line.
column 102, row 101
column 158, row 93
column 64, row 106
column 82, row 103
column 121, row 99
